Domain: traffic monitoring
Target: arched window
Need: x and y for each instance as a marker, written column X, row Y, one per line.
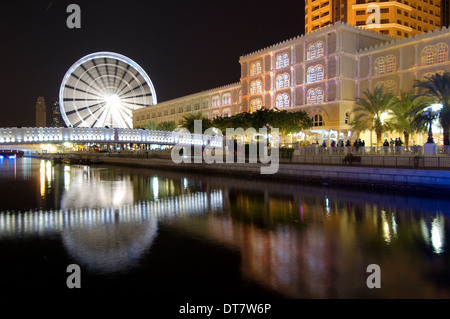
column 319, row 95
column 256, row 105
column 311, row 52
column 311, row 77
column 314, row 51
column 226, row 113
column 282, row 81
column 388, row 86
column 215, row 101
column 226, row 99
column 318, row 120
column 256, row 87
column 315, row 73
column 315, row 96
column 385, row 64
column 312, row 98
column 428, row 55
column 319, row 72
column 441, row 52
column 282, row 61
column 390, row 63
column 255, row 68
column 282, row 101
column 380, row 66
column 319, row 49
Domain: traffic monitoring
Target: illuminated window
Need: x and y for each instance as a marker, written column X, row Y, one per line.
column 282, row 81
column 256, row 105
column 435, row 54
column 385, row 64
column 282, row 101
column 282, row 61
column 226, row 99
column 314, row 51
column 255, row 87
column 226, row 113
column 318, row 120
column 428, row 55
column 390, row 63
column 255, row 68
column 380, row 66
column 315, row 73
column 319, row 72
column 215, row 101
column 388, row 86
column 319, row 94
column 441, row 52
column 311, row 77
column 315, row 96
column 312, row 98
column 215, row 114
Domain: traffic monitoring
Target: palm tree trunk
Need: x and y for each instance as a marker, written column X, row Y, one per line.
column 379, row 136
column 406, row 135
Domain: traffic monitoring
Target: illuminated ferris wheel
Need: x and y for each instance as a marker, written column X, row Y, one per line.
column 102, row 89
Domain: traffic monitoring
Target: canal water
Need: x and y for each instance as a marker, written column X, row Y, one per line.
column 137, row 232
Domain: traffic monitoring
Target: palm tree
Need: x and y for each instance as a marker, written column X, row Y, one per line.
column 370, row 110
column 405, row 113
column 166, row 126
column 190, row 118
column 437, row 87
column 148, row 126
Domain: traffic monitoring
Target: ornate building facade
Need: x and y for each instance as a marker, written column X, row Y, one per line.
column 323, row 73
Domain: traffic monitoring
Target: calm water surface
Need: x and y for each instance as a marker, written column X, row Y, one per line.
column 142, row 232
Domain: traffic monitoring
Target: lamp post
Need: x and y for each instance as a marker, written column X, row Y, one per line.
column 429, row 116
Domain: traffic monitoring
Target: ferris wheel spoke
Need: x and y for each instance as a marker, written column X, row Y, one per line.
column 82, row 91
column 86, row 108
column 136, row 96
column 85, row 83
column 139, row 86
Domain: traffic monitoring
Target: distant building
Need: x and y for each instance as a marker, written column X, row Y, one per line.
column 445, row 13
column 41, row 112
column 56, row 120
column 397, row 18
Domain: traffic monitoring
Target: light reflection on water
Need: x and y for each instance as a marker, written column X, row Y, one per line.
column 296, row 240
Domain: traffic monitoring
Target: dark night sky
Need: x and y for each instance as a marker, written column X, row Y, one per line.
column 185, row 46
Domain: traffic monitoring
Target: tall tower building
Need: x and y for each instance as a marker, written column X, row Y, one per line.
column 57, row 120
column 391, row 17
column 41, row 112
column 445, row 13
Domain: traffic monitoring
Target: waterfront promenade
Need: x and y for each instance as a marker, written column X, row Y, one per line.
column 399, row 172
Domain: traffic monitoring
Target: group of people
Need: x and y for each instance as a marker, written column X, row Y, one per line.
column 357, row 143
column 397, row 142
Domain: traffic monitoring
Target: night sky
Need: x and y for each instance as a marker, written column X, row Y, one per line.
column 185, row 46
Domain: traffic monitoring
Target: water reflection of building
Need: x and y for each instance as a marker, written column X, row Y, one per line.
column 305, row 241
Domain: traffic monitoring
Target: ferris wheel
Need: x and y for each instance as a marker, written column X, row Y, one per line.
column 102, row 89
